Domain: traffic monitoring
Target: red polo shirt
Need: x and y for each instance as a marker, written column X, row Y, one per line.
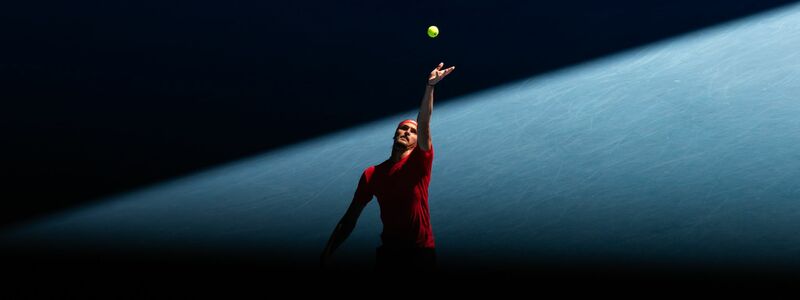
column 402, row 192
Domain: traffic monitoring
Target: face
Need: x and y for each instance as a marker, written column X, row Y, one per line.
column 406, row 135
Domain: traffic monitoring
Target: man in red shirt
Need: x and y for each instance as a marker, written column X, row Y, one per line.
column 401, row 185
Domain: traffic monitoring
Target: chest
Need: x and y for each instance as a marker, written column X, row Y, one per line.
column 396, row 178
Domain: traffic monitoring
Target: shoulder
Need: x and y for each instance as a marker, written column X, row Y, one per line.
column 366, row 176
column 423, row 152
column 369, row 171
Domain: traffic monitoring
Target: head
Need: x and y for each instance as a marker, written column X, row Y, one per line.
column 406, row 134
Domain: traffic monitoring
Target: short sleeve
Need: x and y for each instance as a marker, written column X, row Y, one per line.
column 364, row 192
column 424, row 159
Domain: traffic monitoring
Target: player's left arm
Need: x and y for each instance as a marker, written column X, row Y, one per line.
column 426, row 107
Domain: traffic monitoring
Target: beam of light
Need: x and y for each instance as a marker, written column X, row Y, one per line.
column 684, row 151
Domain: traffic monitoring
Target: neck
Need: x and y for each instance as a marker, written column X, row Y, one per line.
column 399, row 151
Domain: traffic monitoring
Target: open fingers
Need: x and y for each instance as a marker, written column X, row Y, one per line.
column 448, row 70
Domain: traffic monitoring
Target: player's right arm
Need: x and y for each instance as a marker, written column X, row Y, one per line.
column 342, row 230
column 348, row 221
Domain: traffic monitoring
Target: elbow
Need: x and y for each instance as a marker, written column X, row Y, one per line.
column 423, row 122
column 347, row 224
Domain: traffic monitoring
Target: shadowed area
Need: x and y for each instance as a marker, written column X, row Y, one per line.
column 107, row 96
column 680, row 156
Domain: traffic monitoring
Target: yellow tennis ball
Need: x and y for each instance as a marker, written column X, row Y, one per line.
column 433, row 31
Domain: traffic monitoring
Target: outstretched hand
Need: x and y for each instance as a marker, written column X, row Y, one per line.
column 438, row 74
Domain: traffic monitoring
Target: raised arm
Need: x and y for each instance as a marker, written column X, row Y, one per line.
column 426, row 107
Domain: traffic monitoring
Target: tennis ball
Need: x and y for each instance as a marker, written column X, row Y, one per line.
column 433, row 31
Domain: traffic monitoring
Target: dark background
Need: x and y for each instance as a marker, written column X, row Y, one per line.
column 100, row 97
